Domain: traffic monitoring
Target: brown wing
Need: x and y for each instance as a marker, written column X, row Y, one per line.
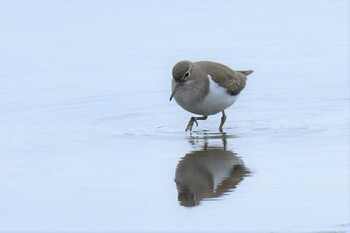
column 233, row 81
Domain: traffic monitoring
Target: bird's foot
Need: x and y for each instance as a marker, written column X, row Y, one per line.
column 223, row 119
column 190, row 124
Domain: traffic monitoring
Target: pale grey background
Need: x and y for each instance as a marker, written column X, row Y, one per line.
column 89, row 140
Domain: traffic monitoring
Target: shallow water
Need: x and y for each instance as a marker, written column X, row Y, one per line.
column 90, row 140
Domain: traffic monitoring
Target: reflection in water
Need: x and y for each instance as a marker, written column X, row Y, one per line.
column 208, row 173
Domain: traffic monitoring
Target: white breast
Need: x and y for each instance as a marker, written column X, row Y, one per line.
column 217, row 100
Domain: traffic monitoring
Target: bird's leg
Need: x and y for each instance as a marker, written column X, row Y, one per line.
column 224, row 141
column 223, row 119
column 194, row 120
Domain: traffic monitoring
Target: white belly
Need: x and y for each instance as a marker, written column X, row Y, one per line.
column 217, row 100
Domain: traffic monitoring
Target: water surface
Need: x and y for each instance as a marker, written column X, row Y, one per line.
column 90, row 141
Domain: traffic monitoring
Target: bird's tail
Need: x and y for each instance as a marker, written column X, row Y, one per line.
column 246, row 72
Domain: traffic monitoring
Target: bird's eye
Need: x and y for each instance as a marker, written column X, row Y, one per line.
column 187, row 74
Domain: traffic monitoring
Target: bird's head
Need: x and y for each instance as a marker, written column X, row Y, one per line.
column 181, row 73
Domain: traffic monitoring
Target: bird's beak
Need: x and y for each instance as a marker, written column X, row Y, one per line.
column 179, row 84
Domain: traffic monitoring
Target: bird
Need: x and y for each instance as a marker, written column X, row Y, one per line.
column 206, row 88
column 208, row 173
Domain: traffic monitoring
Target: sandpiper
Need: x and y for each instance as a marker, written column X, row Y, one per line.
column 206, row 88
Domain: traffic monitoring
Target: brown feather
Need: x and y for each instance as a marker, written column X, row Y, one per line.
column 233, row 81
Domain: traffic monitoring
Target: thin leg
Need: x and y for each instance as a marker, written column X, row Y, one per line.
column 194, row 120
column 223, row 119
column 224, row 141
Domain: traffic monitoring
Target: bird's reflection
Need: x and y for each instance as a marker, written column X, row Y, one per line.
column 208, row 172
